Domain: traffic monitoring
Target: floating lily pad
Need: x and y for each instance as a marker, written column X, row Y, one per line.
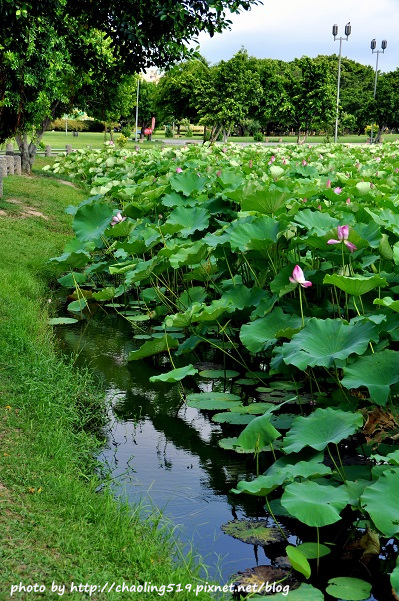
column 216, row 374
column 349, row 589
column 55, row 321
column 213, row 401
column 153, row 347
column 256, row 579
column 314, row 504
column 252, row 408
column 230, row 417
column 254, row 532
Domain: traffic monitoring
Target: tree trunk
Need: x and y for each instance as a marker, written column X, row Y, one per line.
column 381, row 128
column 302, row 140
column 28, row 149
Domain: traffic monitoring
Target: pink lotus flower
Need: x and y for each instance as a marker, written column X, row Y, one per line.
column 179, row 170
column 299, row 278
column 348, row 201
column 219, row 173
column 328, row 184
column 272, row 158
column 304, row 162
column 337, row 190
column 117, row 219
column 343, row 233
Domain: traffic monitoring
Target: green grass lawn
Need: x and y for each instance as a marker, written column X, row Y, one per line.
column 56, row 526
column 58, row 140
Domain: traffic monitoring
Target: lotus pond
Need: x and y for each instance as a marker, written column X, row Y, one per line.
column 280, row 266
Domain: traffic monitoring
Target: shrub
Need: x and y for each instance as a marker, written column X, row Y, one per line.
column 168, row 132
column 122, row 141
column 258, row 137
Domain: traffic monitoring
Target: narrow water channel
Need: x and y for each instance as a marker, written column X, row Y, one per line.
column 165, row 459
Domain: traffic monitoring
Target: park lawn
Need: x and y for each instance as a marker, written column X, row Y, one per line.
column 58, row 140
column 59, row 522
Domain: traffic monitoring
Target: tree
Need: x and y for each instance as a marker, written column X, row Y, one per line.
column 176, row 92
column 272, row 104
column 227, row 95
column 47, row 54
column 386, row 106
column 312, row 95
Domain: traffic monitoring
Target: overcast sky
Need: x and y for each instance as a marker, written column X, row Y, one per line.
column 288, row 29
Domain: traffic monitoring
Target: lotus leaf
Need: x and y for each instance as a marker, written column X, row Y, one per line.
column 323, row 341
column 395, row 578
column 320, row 428
column 313, row 550
column 377, row 372
column 314, row 504
column 298, row 561
column 55, row 321
column 315, row 222
column 380, row 500
column 264, row 200
column 257, row 578
column 388, row 301
column 230, row 417
column 175, row 375
column 190, row 219
column 349, row 589
column 254, row 532
column 355, row 285
column 153, row 347
column 217, row 374
column 258, row 433
column 196, row 294
column 91, row 221
column 241, row 297
column 252, row 233
column 187, row 182
column 71, row 279
column 260, row 334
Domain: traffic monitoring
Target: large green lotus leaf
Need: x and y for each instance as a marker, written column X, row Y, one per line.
column 315, row 222
column 285, row 469
column 366, row 234
column 254, row 532
column 264, row 200
column 258, row 335
column 196, row 294
column 314, row 504
column 105, row 294
column 92, row 220
column 355, row 285
column 387, row 301
column 188, row 255
column 298, row 561
column 258, row 433
column 175, row 375
column 72, row 260
column 187, row 182
column 189, row 219
column 363, row 188
column 281, row 283
column 174, row 200
column 323, row 341
column 242, row 297
column 306, row 592
column 153, row 347
column 71, row 279
column 320, row 428
column 380, row 500
column 254, row 233
column 349, row 589
column 377, row 372
column 212, row 312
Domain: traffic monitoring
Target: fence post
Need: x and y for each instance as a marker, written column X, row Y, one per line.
column 3, row 166
column 68, row 148
column 10, row 149
column 10, row 164
column 48, row 151
column 17, row 164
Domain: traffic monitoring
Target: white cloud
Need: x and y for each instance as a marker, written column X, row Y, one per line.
column 290, row 29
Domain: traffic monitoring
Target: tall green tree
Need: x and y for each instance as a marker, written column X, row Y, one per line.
column 311, row 91
column 226, row 97
column 45, row 57
column 386, row 106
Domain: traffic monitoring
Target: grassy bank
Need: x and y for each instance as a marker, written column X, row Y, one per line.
column 57, row 528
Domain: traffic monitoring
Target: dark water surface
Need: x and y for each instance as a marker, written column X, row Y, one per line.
column 165, row 458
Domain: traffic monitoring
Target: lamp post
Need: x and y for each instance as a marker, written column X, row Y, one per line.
column 373, row 46
column 137, row 107
column 348, row 29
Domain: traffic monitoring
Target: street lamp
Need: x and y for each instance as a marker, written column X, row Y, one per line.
column 348, row 30
column 137, row 107
column 373, row 46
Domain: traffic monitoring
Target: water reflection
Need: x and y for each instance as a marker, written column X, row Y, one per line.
column 164, row 457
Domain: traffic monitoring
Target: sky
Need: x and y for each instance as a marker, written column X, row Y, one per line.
column 288, row 29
